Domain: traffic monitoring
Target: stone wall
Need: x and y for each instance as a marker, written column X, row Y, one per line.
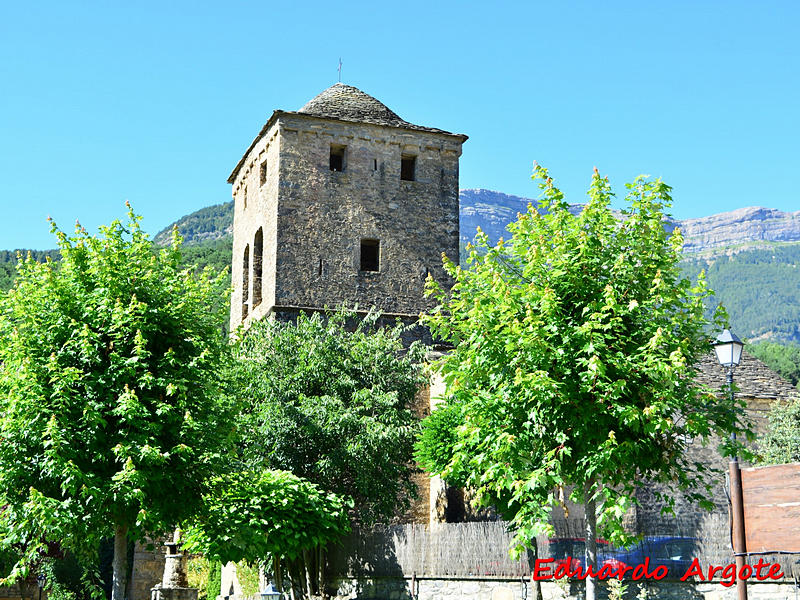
column 313, row 218
column 148, row 569
column 26, row 591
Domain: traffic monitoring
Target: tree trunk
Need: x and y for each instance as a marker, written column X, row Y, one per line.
column 536, row 585
column 591, row 539
column 120, row 564
column 276, row 568
column 307, row 574
column 321, row 570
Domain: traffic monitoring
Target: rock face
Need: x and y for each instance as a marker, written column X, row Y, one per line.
column 492, row 211
column 742, row 226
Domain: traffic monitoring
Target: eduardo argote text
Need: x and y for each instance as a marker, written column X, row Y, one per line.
column 761, row 571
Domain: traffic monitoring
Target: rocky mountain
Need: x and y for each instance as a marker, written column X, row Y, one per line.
column 723, row 233
column 752, row 227
column 745, row 227
column 750, row 255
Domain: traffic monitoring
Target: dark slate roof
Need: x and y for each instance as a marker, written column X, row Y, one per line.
column 345, row 103
column 753, row 378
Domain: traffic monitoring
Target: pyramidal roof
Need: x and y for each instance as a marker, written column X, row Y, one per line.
column 349, row 103
column 345, row 103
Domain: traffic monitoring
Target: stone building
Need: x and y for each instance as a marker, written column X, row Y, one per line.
column 342, row 202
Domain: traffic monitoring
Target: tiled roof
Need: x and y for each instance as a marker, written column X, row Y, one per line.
column 348, row 103
column 344, row 103
column 752, row 377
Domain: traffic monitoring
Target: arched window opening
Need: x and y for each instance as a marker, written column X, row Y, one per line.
column 245, row 281
column 258, row 250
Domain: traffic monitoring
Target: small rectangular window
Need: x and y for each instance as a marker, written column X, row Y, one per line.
column 370, row 255
column 408, row 166
column 263, row 177
column 337, row 157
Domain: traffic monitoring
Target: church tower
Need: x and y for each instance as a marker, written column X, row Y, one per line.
column 342, row 202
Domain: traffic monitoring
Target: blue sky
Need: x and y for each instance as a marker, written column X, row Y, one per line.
column 156, row 101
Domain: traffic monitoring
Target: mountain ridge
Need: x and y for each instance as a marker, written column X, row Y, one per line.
column 731, row 231
column 750, row 255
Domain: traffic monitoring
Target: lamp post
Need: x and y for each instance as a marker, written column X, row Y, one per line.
column 729, row 352
column 40, row 581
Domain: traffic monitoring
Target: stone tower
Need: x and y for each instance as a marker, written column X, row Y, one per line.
column 342, row 202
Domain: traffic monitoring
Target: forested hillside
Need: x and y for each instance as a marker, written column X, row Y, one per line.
column 215, row 252
column 8, row 263
column 204, row 225
column 756, row 278
column 760, row 288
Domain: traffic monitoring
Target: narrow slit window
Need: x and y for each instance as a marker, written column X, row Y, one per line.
column 263, row 174
column 258, row 250
column 374, row 164
column 245, row 196
column 319, row 268
column 337, row 157
column 408, row 167
column 245, row 281
column 370, row 255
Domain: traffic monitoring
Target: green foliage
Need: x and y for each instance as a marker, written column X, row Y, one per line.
column 247, row 574
column 109, row 392
column 576, row 345
column 209, row 223
column 198, row 573
column 782, row 358
column 332, row 406
column 436, row 443
column 758, row 288
column 616, row 589
column 214, row 580
column 252, row 515
column 214, row 253
column 66, row 578
column 10, row 258
column 781, row 443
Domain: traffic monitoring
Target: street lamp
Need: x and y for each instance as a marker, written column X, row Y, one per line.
column 40, row 581
column 729, row 352
column 270, row 593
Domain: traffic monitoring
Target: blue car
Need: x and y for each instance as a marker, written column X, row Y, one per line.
column 673, row 552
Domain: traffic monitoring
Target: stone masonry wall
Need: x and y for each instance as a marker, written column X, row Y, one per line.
column 148, row 570
column 255, row 206
column 323, row 215
column 314, row 219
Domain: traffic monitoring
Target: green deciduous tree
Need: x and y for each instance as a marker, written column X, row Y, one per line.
column 332, row 405
column 254, row 516
column 329, row 399
column 111, row 415
column 575, row 349
column 781, row 443
column 783, row 358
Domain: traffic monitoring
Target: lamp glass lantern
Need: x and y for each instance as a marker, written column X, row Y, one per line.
column 270, row 593
column 728, row 348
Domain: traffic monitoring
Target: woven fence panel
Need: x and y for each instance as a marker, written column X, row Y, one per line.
column 475, row 550
column 437, row 550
